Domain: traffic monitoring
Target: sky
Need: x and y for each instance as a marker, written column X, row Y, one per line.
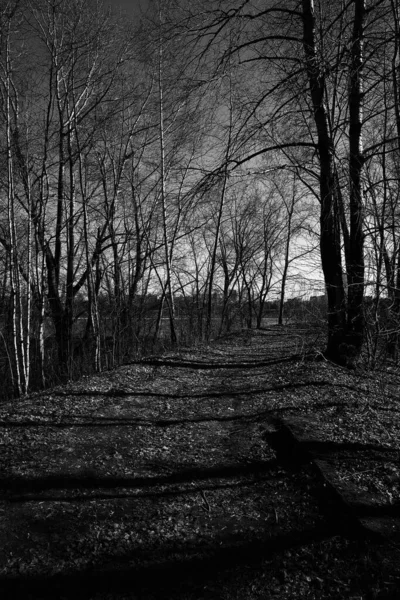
column 128, row 6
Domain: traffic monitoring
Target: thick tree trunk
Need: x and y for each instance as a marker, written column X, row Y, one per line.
column 330, row 242
column 355, row 264
column 58, row 313
column 394, row 342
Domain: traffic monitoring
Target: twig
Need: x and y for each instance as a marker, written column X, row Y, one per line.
column 205, row 506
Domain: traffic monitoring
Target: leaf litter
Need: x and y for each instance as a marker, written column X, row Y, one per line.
column 160, row 475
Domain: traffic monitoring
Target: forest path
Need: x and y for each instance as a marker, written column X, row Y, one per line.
column 179, row 477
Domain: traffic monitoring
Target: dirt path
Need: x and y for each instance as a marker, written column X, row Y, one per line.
column 180, row 478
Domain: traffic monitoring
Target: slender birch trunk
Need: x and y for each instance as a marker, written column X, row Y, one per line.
column 289, row 211
column 11, row 116
column 169, row 295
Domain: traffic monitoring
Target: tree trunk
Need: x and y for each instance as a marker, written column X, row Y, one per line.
column 330, row 240
column 355, row 265
column 213, row 258
column 394, row 342
column 290, row 211
column 169, row 295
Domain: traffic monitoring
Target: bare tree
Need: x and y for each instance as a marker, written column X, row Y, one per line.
column 20, row 275
column 309, row 112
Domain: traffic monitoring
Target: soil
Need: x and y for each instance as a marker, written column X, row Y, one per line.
column 250, row 468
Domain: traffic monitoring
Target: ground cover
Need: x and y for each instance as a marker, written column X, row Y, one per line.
column 198, row 475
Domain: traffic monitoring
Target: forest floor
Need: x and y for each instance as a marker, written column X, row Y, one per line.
column 247, row 469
